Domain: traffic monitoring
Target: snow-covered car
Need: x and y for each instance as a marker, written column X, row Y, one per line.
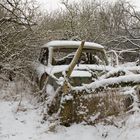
column 55, row 57
column 80, row 84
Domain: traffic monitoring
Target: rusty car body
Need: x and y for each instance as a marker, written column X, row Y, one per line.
column 79, row 83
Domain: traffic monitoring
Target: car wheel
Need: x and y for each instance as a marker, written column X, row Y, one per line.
column 43, row 81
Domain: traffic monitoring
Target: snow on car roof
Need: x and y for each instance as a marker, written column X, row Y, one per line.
column 71, row 44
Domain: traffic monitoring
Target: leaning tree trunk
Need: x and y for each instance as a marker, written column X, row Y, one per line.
column 72, row 65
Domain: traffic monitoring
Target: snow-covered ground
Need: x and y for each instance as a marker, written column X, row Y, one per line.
column 21, row 119
column 24, row 122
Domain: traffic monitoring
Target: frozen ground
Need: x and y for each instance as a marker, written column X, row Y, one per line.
column 23, row 122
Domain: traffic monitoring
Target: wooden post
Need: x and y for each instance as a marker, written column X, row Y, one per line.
column 72, row 65
column 139, row 57
column 75, row 59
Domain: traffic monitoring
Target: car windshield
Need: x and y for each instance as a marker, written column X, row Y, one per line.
column 63, row 56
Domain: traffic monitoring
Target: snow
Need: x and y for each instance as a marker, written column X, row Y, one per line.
column 134, row 68
column 77, row 73
column 116, row 70
column 105, row 82
column 73, row 44
column 23, row 121
column 128, row 64
column 15, row 126
column 26, row 125
column 61, row 68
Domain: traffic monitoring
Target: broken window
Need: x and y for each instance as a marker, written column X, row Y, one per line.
column 64, row 56
column 44, row 56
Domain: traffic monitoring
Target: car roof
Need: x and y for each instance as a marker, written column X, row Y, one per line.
column 71, row 44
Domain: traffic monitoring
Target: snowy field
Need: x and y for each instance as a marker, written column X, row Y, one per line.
column 21, row 119
column 24, row 122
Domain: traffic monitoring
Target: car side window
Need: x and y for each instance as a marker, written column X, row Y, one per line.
column 44, row 56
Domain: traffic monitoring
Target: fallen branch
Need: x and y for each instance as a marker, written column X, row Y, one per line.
column 100, row 85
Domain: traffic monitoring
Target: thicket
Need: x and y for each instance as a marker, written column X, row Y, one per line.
column 23, row 29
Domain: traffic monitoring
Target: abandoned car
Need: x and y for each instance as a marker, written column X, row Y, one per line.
column 56, row 56
column 79, row 83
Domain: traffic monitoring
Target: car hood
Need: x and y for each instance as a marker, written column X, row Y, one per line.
column 79, row 71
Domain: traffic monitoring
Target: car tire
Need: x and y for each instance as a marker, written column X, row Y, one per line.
column 43, row 81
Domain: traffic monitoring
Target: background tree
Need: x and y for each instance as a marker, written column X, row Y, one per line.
column 23, row 28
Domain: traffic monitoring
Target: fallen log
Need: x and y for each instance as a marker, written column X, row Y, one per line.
column 100, row 85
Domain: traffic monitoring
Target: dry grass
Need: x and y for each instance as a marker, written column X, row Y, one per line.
column 13, row 90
